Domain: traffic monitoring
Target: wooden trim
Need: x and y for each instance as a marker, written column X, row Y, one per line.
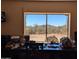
column 42, row 0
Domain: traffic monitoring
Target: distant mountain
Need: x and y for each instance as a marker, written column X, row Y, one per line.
column 41, row 29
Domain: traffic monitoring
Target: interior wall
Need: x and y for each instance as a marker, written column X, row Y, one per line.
column 14, row 24
column 39, row 0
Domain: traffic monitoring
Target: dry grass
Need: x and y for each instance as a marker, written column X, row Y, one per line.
column 42, row 37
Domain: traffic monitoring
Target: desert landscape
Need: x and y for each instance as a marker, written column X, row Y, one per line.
column 37, row 33
column 41, row 38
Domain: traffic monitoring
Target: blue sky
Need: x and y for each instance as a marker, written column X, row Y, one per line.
column 40, row 19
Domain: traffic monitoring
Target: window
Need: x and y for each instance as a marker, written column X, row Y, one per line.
column 35, row 27
column 43, row 27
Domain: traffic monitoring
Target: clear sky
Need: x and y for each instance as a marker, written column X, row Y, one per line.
column 40, row 19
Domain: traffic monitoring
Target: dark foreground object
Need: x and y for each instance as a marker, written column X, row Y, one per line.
column 38, row 54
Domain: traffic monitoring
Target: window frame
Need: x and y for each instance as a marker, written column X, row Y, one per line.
column 68, row 21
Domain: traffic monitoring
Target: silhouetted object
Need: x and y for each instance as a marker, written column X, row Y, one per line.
column 75, row 34
column 32, row 45
column 4, row 40
column 66, row 42
column 10, row 45
column 27, row 38
column 3, row 17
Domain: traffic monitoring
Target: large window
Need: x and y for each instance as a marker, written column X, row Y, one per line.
column 43, row 27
